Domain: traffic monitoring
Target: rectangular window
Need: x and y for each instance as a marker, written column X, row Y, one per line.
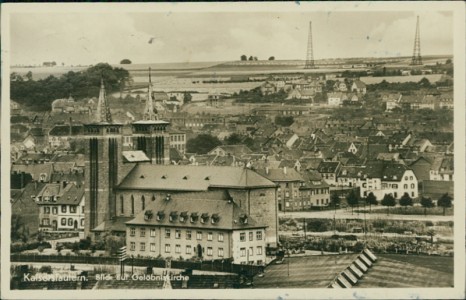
column 209, row 236
column 45, row 222
column 209, row 251
column 243, row 252
column 46, row 210
column 242, row 237
column 220, row 237
column 177, row 234
column 220, row 252
column 152, row 247
column 63, row 221
column 167, row 248
column 63, row 208
column 82, row 209
column 258, row 235
column 251, row 235
column 132, row 231
column 143, row 246
column 188, row 234
column 152, row 232
column 54, row 210
column 143, row 232
column 188, row 249
column 251, row 251
column 177, row 249
column 167, row 233
column 72, row 209
column 132, row 246
column 199, row 235
column 259, row 250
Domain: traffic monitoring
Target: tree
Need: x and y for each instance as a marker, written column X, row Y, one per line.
column 272, row 58
column 113, row 243
column 251, row 58
column 187, row 97
column 388, row 200
column 233, row 139
column 202, row 144
column 445, row 201
column 244, row 57
column 29, row 75
column 352, row 199
column 406, row 200
column 335, row 200
column 125, row 62
column 424, row 82
column 284, row 121
column 426, row 203
column 255, row 58
column 448, row 61
column 371, row 199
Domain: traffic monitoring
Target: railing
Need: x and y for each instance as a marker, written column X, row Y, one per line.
column 216, row 265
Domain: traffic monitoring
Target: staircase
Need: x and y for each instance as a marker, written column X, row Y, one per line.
column 355, row 271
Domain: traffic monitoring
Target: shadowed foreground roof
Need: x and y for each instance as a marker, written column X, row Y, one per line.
column 192, row 178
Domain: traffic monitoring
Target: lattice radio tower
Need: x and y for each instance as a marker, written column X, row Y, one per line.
column 310, row 53
column 417, row 60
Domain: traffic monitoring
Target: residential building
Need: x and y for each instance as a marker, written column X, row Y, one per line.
column 359, row 87
column 329, row 171
column 178, row 141
column 336, row 98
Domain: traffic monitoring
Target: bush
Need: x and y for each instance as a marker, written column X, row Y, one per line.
column 46, row 269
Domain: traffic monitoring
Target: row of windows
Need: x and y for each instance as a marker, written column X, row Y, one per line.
column 177, row 138
column 188, row 249
column 242, row 236
column 73, row 209
column 168, row 234
column 63, row 221
column 251, row 251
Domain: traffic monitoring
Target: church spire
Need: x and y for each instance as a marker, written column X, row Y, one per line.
column 149, row 110
column 103, row 110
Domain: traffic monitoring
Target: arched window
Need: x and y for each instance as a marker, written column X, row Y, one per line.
column 143, row 202
column 122, row 209
column 132, row 205
column 412, row 185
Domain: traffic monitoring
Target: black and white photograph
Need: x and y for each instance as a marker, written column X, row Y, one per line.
column 233, row 150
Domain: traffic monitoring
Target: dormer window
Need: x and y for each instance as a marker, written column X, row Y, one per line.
column 215, row 218
column 204, row 218
column 394, row 177
column 148, row 215
column 160, row 215
column 194, row 217
column 164, row 177
column 173, row 216
column 243, row 219
column 183, row 216
column 207, row 178
column 185, row 178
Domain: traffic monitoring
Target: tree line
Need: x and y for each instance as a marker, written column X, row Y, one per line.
column 37, row 95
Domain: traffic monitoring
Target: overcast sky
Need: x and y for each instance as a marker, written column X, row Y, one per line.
column 89, row 38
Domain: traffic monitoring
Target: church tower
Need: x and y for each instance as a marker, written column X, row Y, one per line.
column 103, row 158
column 150, row 134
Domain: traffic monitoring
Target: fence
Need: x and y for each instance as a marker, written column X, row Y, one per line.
column 215, row 265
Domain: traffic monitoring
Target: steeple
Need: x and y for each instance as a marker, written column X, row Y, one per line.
column 103, row 114
column 149, row 111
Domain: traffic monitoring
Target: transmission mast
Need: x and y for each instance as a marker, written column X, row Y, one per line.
column 310, row 53
column 417, row 60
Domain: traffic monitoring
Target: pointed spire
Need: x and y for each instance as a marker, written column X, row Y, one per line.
column 103, row 110
column 149, row 110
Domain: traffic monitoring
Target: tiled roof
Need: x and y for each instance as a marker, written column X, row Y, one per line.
column 34, row 170
column 192, row 178
column 236, row 150
column 220, row 214
column 328, row 166
column 70, row 194
column 387, row 171
column 279, row 175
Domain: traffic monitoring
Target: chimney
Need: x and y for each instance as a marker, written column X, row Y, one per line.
column 284, row 170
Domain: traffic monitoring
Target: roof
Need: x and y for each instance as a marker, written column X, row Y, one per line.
column 228, row 214
column 236, row 150
column 328, row 166
column 192, row 178
column 34, row 170
column 115, row 224
column 279, row 175
column 359, row 84
column 135, row 156
column 64, row 130
column 69, row 194
column 387, row 171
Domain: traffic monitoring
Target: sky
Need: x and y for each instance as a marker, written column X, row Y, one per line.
column 88, row 38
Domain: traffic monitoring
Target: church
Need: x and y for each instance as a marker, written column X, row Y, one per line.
column 123, row 187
